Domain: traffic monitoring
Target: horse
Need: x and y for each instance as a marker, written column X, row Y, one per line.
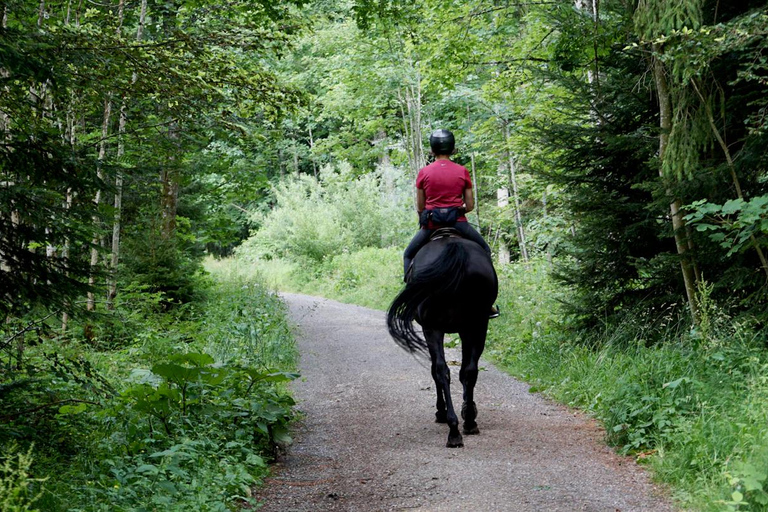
column 451, row 288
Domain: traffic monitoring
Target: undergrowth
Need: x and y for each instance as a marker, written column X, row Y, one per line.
column 693, row 406
column 152, row 410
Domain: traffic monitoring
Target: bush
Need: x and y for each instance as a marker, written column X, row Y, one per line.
column 341, row 213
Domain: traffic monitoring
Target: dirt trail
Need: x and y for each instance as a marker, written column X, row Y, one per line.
column 368, row 442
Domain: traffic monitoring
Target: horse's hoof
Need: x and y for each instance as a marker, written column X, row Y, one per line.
column 441, row 417
column 471, row 431
column 455, row 442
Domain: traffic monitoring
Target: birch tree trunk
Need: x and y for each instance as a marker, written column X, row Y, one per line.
column 502, row 201
column 410, row 108
column 296, row 158
column 118, row 204
column 4, row 129
column 546, row 216
column 475, row 191
column 675, row 206
column 311, row 148
column 516, row 197
column 70, row 131
column 97, row 239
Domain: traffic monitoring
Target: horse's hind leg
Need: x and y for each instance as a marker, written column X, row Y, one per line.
column 472, row 346
column 441, row 416
column 442, row 375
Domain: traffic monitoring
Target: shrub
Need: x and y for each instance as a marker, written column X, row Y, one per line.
column 339, row 213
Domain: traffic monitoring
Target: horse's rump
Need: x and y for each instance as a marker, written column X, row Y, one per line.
column 452, row 285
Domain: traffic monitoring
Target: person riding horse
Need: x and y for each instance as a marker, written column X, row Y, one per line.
column 443, row 198
column 450, row 287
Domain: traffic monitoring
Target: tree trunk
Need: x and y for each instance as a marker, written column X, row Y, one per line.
column 475, row 191
column 65, row 257
column 91, row 302
column 171, row 174
column 4, row 130
column 546, row 215
column 296, row 158
column 311, row 148
column 169, row 177
column 410, row 108
column 41, row 13
column 678, row 224
column 502, row 201
column 475, row 184
column 118, row 204
column 516, row 197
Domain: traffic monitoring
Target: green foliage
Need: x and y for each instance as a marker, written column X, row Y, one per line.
column 693, row 407
column 734, row 225
column 180, row 410
column 15, row 481
column 318, row 219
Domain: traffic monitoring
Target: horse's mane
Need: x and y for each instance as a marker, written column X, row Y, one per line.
column 438, row 280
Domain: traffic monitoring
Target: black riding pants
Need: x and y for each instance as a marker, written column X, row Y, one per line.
column 422, row 237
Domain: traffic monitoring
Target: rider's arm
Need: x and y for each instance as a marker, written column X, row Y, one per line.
column 469, row 200
column 421, row 200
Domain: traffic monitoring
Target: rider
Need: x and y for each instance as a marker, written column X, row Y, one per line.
column 443, row 184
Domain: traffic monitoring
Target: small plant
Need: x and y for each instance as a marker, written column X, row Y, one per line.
column 15, row 481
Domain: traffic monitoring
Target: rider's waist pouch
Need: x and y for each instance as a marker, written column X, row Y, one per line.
column 440, row 216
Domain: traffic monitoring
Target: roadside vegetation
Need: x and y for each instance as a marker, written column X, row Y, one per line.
column 158, row 410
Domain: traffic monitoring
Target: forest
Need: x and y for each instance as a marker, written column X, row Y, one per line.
column 166, row 167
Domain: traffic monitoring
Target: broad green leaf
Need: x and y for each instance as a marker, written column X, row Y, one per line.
column 732, row 206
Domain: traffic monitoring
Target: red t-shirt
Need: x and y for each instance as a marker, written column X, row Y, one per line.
column 444, row 182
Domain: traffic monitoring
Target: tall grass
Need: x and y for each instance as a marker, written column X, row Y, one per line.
column 370, row 277
column 693, row 406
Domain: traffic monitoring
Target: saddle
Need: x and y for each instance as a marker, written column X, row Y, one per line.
column 445, row 233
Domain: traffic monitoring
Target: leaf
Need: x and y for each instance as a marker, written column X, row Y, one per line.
column 72, row 409
column 148, row 469
column 255, row 460
column 732, row 206
column 675, row 383
column 194, row 358
column 280, row 435
column 167, row 486
column 737, row 497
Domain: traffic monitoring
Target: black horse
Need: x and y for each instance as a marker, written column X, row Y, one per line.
column 451, row 288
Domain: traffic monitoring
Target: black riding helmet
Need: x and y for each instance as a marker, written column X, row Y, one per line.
column 442, row 142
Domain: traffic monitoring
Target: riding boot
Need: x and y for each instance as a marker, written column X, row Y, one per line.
column 408, row 270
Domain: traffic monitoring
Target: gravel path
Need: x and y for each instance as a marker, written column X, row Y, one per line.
column 367, row 441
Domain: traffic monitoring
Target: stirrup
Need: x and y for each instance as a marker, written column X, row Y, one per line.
column 495, row 312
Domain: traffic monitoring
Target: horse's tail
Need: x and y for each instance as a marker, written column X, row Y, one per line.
column 437, row 281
